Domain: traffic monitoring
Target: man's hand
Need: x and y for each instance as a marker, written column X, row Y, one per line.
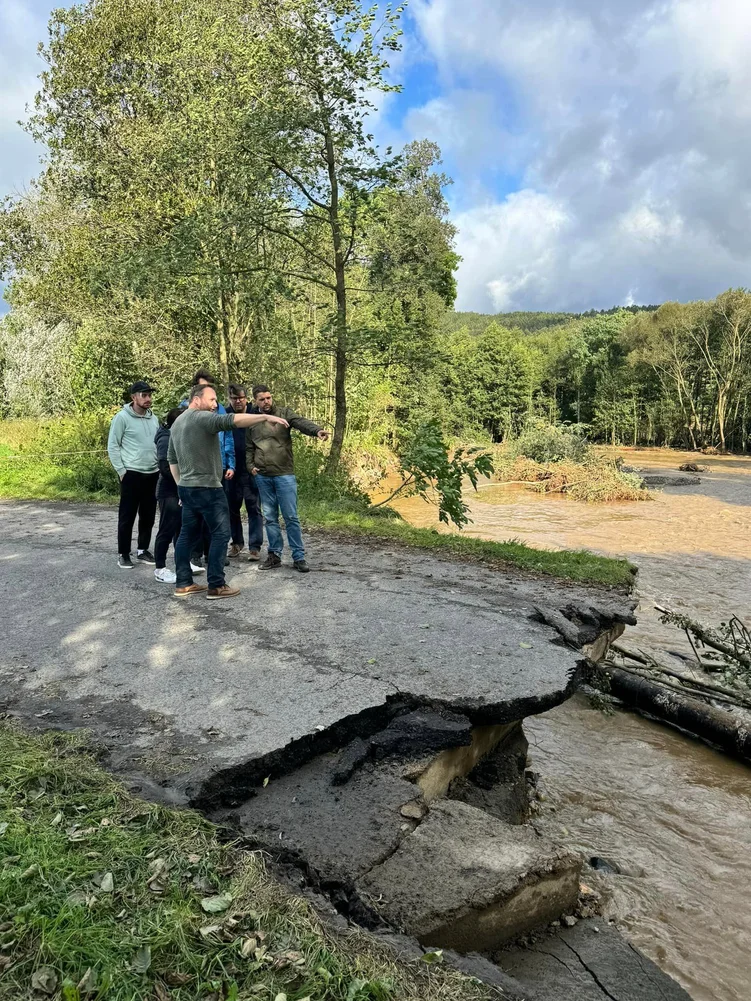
column 273, row 419
column 323, row 436
column 254, row 471
column 229, row 474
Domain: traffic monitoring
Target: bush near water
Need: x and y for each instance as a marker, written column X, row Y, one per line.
column 558, row 459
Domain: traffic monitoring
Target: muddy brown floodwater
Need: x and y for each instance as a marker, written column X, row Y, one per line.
column 673, row 815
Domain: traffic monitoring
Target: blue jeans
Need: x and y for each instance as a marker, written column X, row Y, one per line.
column 209, row 505
column 280, row 493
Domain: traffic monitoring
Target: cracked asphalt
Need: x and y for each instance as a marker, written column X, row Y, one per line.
column 171, row 685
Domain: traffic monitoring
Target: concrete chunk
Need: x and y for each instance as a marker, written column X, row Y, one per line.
column 590, row 962
column 464, row 880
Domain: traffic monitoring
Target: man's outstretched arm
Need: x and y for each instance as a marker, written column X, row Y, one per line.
column 248, row 420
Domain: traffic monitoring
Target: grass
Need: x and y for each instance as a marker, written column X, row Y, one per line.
column 573, row 565
column 105, row 897
column 31, row 480
column 326, row 504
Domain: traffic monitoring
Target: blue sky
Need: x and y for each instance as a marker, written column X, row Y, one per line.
column 600, row 149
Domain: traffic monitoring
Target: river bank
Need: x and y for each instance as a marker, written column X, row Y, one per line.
column 668, row 811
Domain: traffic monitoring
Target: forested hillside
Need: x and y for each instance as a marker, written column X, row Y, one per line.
column 212, row 196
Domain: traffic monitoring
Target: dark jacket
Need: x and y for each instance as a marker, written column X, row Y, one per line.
column 166, row 486
column 269, row 446
column 238, row 435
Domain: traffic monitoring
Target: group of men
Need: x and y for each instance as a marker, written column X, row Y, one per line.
column 201, row 465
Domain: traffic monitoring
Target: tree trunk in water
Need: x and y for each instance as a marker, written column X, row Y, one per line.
column 694, row 715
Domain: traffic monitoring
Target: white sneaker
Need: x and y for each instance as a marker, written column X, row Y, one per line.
column 165, row 575
column 196, row 569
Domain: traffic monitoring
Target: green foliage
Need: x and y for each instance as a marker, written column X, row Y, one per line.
column 65, row 458
column 546, row 443
column 429, row 471
column 103, row 366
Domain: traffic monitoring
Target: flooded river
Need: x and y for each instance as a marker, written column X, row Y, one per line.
column 673, row 815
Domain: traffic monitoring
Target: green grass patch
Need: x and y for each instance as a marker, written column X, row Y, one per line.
column 574, row 565
column 104, row 896
column 35, row 480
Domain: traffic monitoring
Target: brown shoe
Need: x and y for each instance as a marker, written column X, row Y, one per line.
column 225, row 591
column 184, row 592
column 235, row 550
column 254, row 556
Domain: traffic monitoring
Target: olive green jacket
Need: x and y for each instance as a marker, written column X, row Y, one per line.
column 269, row 446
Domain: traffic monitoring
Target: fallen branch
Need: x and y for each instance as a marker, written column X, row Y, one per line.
column 700, row 683
column 699, row 691
column 704, row 635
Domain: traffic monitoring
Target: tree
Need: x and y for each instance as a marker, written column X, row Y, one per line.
column 324, row 60
column 501, row 381
column 722, row 334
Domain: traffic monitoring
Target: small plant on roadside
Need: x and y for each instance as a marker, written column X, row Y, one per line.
column 430, row 471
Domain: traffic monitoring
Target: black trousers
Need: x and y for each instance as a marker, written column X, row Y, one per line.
column 137, row 497
column 170, row 522
column 203, row 542
column 242, row 489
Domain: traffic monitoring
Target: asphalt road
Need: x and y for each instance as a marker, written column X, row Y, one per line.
column 178, row 687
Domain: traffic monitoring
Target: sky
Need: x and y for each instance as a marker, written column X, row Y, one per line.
column 600, row 149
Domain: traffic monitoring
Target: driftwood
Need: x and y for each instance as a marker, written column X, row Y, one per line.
column 706, row 636
column 691, row 714
column 704, row 687
column 696, row 692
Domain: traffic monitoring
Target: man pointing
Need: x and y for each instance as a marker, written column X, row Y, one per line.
column 195, row 460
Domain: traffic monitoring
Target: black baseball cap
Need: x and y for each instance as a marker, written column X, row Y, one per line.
column 141, row 387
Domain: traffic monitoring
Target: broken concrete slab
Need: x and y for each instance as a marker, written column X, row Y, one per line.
column 434, row 774
column 498, row 783
column 338, row 833
column 466, row 881
column 296, row 666
column 589, row 962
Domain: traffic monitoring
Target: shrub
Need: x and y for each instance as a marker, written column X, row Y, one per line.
column 78, row 445
column 544, row 442
column 596, row 479
column 314, row 484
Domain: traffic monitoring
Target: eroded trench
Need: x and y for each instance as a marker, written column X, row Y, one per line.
column 415, row 820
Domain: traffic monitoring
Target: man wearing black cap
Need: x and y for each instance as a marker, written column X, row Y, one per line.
column 132, row 452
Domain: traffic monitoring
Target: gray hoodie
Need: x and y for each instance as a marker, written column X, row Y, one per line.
column 130, row 445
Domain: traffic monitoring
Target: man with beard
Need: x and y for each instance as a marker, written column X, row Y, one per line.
column 242, row 489
column 270, row 459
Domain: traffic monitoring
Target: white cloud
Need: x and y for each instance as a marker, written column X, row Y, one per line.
column 21, row 28
column 637, row 123
column 494, row 233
